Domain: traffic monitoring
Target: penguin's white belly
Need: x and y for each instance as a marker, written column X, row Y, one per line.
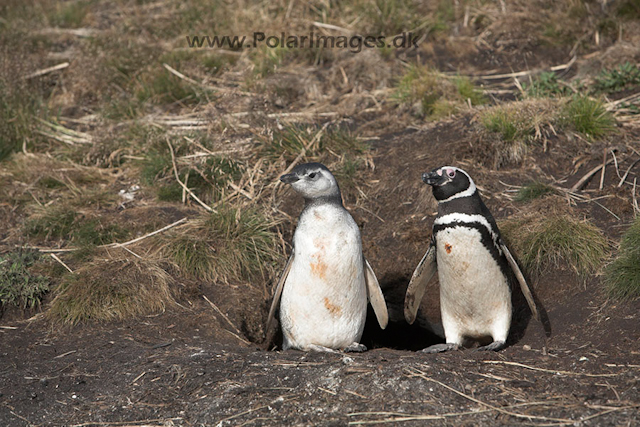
column 475, row 298
column 324, row 300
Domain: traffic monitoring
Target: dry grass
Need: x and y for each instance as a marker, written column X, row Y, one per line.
column 509, row 130
column 543, row 242
column 622, row 276
column 430, row 94
column 236, row 118
column 116, row 289
column 233, row 244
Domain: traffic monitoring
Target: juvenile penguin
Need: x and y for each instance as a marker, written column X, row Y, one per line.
column 323, row 291
column 472, row 264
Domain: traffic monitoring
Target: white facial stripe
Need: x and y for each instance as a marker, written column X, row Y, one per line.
column 466, row 218
column 466, row 193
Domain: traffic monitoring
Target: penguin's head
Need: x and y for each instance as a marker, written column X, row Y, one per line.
column 449, row 182
column 313, row 181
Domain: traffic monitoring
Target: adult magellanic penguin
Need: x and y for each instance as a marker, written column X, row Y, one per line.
column 472, row 264
column 323, row 291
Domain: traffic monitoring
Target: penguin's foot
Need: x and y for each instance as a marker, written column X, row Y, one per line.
column 439, row 348
column 320, row 348
column 355, row 348
column 494, row 346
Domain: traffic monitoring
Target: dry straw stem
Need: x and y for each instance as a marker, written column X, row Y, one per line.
column 561, row 67
column 177, row 176
column 550, row 371
column 47, row 70
column 114, row 245
column 136, row 423
column 400, row 417
column 413, row 372
column 215, row 307
column 202, row 85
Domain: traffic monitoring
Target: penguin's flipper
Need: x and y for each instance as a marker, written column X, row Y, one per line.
column 375, row 295
column 418, row 284
column 278, row 292
column 521, row 280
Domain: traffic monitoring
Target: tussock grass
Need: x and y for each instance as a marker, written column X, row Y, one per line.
column 469, row 92
column 437, row 95
column 63, row 222
column 52, row 223
column 534, row 190
column 510, row 129
column 18, row 285
column 395, row 16
column 622, row 276
column 70, row 14
column 207, row 177
column 551, row 241
column 18, row 109
column 588, row 116
column 292, row 139
column 233, row 244
column 545, row 85
column 159, row 86
column 112, row 290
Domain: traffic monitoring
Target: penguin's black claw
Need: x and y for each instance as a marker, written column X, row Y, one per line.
column 439, row 348
column 355, row 348
column 494, row 346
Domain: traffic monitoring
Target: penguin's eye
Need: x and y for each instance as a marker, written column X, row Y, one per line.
column 312, row 175
column 451, row 173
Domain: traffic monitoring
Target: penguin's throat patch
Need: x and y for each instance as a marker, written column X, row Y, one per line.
column 448, row 247
column 333, row 309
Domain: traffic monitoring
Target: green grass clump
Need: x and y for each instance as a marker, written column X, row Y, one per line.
column 438, row 95
column 619, row 78
column 468, row 91
column 544, row 241
column 70, row 14
column 420, row 84
column 52, row 223
column 534, row 190
column 622, row 276
column 545, row 85
column 18, row 286
column 508, row 131
column 266, row 60
column 232, row 244
column 395, row 16
column 589, row 117
column 112, row 290
column 292, row 139
column 18, row 110
column 507, row 124
column 94, row 232
column 207, row 178
column 64, row 223
column 162, row 87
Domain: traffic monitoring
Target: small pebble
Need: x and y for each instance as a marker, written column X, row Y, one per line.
column 526, row 347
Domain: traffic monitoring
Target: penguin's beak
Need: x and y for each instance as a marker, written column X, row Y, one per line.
column 289, row 178
column 432, row 178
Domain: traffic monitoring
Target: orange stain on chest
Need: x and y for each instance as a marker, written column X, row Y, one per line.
column 333, row 309
column 448, row 247
column 319, row 267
